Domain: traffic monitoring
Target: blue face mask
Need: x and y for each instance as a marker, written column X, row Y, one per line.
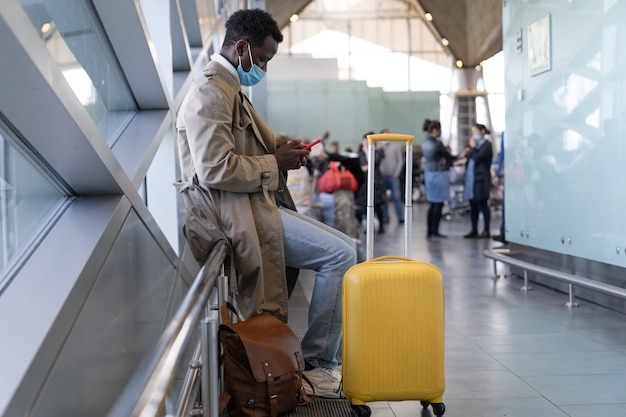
column 251, row 77
column 477, row 137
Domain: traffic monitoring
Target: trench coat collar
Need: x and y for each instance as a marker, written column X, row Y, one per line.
column 219, row 64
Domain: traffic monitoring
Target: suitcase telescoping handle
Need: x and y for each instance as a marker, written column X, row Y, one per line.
column 408, row 189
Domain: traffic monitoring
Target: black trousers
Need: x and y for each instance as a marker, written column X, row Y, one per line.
column 476, row 207
column 434, row 218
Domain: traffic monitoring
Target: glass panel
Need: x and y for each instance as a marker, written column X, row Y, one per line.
column 29, row 200
column 75, row 38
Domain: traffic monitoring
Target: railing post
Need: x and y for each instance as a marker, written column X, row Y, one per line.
column 194, row 363
column 526, row 287
column 210, row 383
column 572, row 301
column 222, row 288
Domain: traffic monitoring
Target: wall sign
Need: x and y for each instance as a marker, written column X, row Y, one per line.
column 539, row 48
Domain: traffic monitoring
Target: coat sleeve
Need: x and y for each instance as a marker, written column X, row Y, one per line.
column 443, row 153
column 483, row 154
column 223, row 159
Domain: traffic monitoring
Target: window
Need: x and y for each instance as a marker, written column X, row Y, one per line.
column 29, row 200
column 75, row 38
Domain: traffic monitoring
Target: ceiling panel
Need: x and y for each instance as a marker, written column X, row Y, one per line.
column 282, row 10
column 473, row 27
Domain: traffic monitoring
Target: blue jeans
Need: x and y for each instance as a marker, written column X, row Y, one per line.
column 310, row 244
column 327, row 211
column 393, row 184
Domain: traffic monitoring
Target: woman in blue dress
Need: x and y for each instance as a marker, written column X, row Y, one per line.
column 437, row 159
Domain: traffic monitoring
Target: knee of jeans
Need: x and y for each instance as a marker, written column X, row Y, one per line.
column 349, row 256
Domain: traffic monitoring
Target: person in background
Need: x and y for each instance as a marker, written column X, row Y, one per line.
column 478, row 179
column 234, row 188
column 345, row 200
column 379, row 191
column 499, row 181
column 323, row 202
column 436, row 162
column 300, row 185
column 461, row 159
column 391, row 169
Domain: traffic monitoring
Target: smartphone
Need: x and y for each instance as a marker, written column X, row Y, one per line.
column 312, row 144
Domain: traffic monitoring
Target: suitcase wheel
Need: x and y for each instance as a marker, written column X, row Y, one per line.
column 361, row 411
column 438, row 408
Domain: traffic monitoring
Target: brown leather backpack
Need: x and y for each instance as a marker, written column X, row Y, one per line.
column 263, row 365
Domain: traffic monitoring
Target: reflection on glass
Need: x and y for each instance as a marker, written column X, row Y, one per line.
column 74, row 37
column 29, row 200
column 571, row 140
column 572, row 94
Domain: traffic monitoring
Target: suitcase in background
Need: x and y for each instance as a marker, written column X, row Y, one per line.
column 393, row 322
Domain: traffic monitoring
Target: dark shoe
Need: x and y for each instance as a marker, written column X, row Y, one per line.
column 484, row 234
column 500, row 238
column 401, row 221
column 381, row 231
column 439, row 235
column 471, row 235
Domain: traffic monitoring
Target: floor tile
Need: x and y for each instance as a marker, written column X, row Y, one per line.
column 567, row 390
column 564, row 363
column 471, row 361
column 620, row 348
column 487, row 385
column 551, row 342
column 495, row 407
column 605, row 410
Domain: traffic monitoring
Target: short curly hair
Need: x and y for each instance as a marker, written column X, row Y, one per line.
column 252, row 24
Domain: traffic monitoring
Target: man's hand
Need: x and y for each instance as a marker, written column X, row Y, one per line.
column 280, row 140
column 291, row 155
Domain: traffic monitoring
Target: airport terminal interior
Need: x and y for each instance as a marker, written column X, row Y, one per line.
column 508, row 351
column 104, row 310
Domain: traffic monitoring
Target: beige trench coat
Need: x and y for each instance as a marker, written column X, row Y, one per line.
column 226, row 147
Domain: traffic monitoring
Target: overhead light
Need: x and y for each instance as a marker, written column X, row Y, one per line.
column 429, row 17
column 459, row 63
column 294, row 18
column 445, row 42
column 45, row 27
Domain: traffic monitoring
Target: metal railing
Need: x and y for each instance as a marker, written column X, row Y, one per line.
column 504, row 256
column 147, row 392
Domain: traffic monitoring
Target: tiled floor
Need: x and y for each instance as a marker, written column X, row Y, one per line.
column 508, row 352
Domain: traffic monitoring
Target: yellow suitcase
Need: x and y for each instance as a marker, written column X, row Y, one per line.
column 393, row 325
column 393, row 333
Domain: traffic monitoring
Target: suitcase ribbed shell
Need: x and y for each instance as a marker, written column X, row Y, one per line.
column 393, row 331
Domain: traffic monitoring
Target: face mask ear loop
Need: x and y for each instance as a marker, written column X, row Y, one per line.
column 250, row 53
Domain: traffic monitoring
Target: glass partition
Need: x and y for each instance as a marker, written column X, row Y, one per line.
column 30, row 198
column 76, row 40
